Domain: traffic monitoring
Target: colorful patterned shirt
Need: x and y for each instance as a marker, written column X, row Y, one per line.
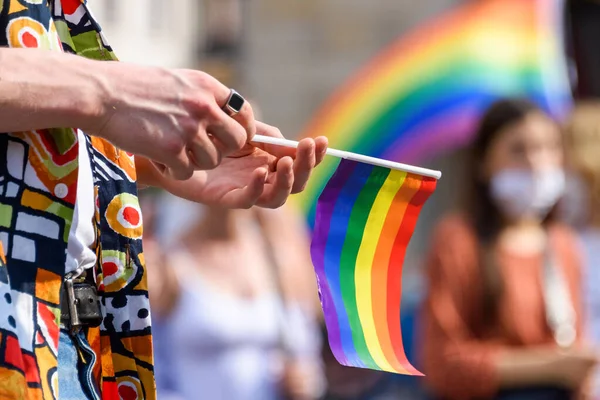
column 38, row 181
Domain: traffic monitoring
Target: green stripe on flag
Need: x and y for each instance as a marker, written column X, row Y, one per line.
column 354, row 234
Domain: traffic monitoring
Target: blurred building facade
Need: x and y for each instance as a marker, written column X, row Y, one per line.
column 288, row 56
column 291, row 56
column 153, row 32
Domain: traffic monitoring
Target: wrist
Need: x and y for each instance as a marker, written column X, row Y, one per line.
column 92, row 93
column 518, row 367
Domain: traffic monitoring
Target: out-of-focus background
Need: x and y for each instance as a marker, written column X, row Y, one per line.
column 288, row 58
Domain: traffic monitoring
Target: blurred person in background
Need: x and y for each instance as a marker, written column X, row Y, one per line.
column 236, row 309
column 502, row 315
column 580, row 207
column 349, row 383
column 583, row 30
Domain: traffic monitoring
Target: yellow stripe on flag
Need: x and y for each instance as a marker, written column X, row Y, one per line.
column 364, row 264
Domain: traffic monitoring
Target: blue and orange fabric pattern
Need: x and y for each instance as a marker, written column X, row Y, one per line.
column 38, row 181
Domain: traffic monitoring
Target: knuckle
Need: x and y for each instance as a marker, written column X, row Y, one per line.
column 205, row 80
column 212, row 164
column 237, row 139
column 189, row 128
column 173, row 146
column 200, row 79
column 181, row 173
column 240, row 142
column 187, row 173
column 204, row 107
column 211, row 161
column 280, row 202
column 247, row 112
column 299, row 189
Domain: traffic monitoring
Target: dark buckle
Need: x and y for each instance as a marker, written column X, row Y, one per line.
column 74, row 322
column 82, row 302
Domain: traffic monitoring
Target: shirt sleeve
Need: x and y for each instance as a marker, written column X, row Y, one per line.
column 457, row 365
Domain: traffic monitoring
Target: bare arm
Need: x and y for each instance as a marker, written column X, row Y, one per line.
column 46, row 89
column 545, row 365
column 171, row 116
column 526, row 366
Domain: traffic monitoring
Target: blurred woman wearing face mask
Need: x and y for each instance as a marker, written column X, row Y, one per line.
column 580, row 207
column 501, row 319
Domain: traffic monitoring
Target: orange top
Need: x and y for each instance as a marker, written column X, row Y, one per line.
column 457, row 348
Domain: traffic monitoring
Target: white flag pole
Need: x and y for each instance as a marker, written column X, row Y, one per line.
column 354, row 157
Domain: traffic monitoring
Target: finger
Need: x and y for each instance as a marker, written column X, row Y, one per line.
column 303, row 164
column 321, row 144
column 229, row 134
column 268, row 130
column 204, row 152
column 247, row 196
column 278, row 151
column 245, row 117
column 276, row 194
column 177, row 166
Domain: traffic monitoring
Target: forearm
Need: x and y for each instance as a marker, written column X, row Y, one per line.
column 524, row 367
column 45, row 89
column 478, row 370
column 148, row 175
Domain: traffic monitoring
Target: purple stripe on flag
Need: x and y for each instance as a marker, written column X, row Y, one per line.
column 325, row 207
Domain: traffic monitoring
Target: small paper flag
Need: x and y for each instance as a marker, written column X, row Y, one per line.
column 365, row 218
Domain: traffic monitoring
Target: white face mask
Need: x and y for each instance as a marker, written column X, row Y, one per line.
column 524, row 193
column 575, row 205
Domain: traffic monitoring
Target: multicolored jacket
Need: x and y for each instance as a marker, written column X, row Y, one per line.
column 38, row 180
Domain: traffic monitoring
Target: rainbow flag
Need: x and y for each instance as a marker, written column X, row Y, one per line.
column 424, row 94
column 365, row 218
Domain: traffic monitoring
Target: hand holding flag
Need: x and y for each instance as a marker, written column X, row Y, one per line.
column 364, row 221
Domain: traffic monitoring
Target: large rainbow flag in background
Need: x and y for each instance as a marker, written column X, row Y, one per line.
column 365, row 218
column 424, row 94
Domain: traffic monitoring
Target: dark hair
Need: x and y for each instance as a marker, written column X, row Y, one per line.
column 483, row 213
column 500, row 115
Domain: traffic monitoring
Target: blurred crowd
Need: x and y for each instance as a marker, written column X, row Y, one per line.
column 510, row 311
column 511, row 308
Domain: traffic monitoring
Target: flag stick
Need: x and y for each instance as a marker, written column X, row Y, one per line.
column 353, row 156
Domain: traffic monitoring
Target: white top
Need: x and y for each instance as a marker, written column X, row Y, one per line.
column 217, row 345
column 82, row 235
column 590, row 239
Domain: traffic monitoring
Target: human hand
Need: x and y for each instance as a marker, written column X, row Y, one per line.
column 588, row 389
column 572, row 366
column 301, row 381
column 261, row 175
column 172, row 117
